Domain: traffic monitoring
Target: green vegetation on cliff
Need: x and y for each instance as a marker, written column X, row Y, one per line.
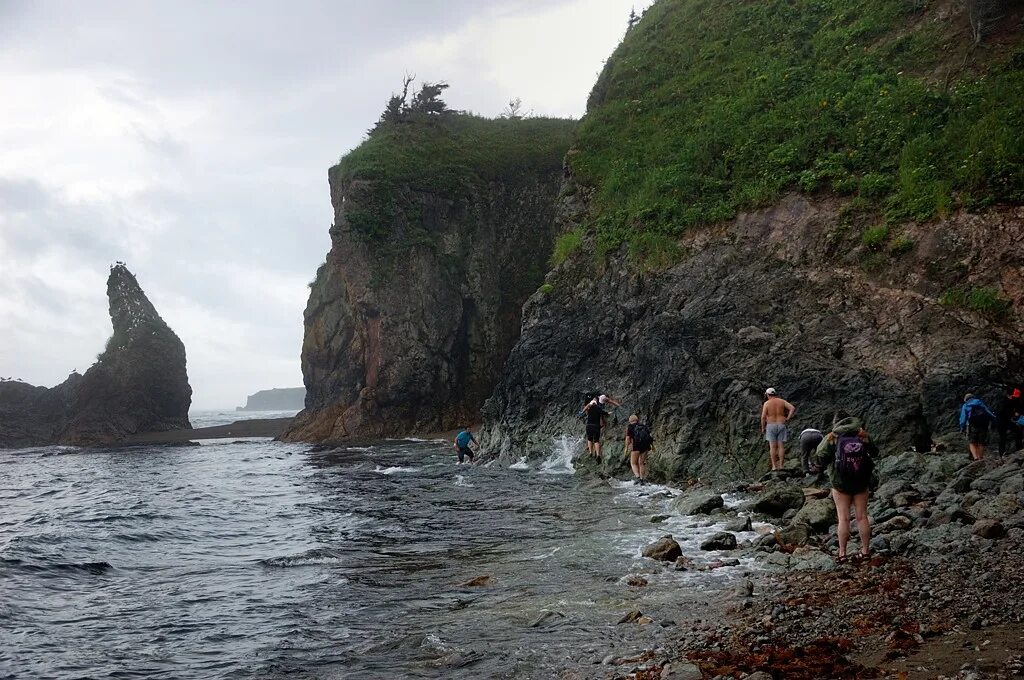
column 711, row 107
column 448, row 154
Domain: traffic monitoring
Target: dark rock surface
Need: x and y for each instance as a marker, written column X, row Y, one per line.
column 722, row 540
column 138, row 384
column 786, row 297
column 776, row 501
column 665, row 549
column 418, row 344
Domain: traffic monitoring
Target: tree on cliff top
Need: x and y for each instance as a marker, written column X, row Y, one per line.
column 426, row 102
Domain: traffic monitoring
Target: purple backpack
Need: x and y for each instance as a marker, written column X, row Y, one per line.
column 853, row 464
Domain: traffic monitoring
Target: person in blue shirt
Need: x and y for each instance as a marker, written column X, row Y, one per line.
column 975, row 420
column 462, row 443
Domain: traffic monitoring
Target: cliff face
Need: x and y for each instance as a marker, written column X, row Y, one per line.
column 798, row 196
column 411, row 316
column 777, row 297
column 138, row 384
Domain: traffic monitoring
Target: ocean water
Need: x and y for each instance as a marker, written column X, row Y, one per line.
column 261, row 559
column 212, row 417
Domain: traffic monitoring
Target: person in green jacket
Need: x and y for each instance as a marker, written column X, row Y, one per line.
column 848, row 453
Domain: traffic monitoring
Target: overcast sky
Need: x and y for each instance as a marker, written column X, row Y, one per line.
column 192, row 139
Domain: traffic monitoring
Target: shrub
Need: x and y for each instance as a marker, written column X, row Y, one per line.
column 874, row 237
column 901, row 245
column 546, row 288
column 985, row 300
column 565, row 245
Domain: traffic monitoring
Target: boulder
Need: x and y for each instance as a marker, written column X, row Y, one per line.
column 794, row 534
column 723, row 540
column 682, row 563
column 740, row 524
column 777, row 500
column 988, row 528
column 680, row 670
column 697, row 504
column 997, row 507
column 818, row 514
column 665, row 549
column 897, row 523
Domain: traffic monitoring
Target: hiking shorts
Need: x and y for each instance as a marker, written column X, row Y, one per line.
column 594, row 434
column 775, row 433
column 977, row 435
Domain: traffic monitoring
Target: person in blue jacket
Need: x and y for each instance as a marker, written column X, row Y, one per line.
column 462, row 445
column 975, row 421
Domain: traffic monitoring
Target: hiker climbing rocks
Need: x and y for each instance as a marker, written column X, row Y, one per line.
column 809, row 440
column 1010, row 411
column 849, row 453
column 975, row 420
column 639, row 443
column 775, row 413
column 596, row 417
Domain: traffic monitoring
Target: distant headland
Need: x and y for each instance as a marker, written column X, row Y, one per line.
column 277, row 399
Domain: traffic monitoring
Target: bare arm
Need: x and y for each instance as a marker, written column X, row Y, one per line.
column 764, row 416
column 790, row 410
column 610, row 400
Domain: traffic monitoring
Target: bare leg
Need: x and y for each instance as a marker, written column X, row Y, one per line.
column 634, row 463
column 597, row 449
column 643, row 465
column 860, row 504
column 782, row 454
column 842, row 502
column 977, row 451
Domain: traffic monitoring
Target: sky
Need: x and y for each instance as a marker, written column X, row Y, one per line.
column 191, row 140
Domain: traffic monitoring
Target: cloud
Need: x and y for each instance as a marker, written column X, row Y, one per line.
column 192, row 140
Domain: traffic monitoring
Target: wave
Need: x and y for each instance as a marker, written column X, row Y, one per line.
column 85, row 567
column 559, row 462
column 395, row 469
column 310, row 558
column 521, row 466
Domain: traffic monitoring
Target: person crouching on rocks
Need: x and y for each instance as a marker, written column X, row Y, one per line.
column 462, row 443
column 849, row 453
column 639, row 443
column 809, row 441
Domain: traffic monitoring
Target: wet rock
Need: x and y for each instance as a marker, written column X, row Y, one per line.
column 759, row 675
column 681, row 670
column 547, row 618
column 794, row 534
column 818, row 514
column 658, row 519
column 665, row 549
column 776, row 501
column 905, row 498
column 988, row 528
column 740, row 524
column 723, row 540
column 632, row 616
column 478, row 581
column 636, row 581
column 697, row 504
column 682, row 563
column 879, row 544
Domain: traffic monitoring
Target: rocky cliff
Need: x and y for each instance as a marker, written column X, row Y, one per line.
column 443, row 226
column 801, row 196
column 276, row 399
column 138, row 384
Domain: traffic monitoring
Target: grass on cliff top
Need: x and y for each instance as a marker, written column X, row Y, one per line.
column 710, row 107
column 448, row 154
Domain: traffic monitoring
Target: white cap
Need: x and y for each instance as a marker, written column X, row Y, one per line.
column 603, row 398
column 770, row 392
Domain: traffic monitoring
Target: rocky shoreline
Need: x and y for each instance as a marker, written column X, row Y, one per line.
column 939, row 598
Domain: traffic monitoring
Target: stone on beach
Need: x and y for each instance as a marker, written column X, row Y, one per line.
column 665, row 549
column 699, row 504
column 777, row 500
column 723, row 540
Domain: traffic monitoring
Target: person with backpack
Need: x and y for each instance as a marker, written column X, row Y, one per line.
column 975, row 420
column 849, row 454
column 639, row 443
column 1009, row 412
column 462, row 443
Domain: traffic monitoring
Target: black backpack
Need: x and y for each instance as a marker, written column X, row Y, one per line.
column 853, row 464
column 642, row 437
column 978, row 418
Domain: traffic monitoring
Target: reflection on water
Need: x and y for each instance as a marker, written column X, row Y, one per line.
column 261, row 559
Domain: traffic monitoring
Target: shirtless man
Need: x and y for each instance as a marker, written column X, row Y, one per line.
column 774, row 415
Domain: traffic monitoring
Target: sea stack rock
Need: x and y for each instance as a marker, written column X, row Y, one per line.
column 138, row 384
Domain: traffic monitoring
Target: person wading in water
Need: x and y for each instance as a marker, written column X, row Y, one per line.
column 775, row 413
